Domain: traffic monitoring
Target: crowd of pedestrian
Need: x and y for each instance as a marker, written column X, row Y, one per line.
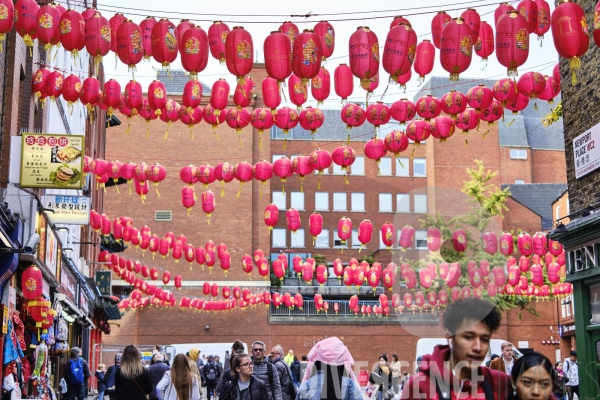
column 452, row 371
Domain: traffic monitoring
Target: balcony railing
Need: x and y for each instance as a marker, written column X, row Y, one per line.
column 331, row 281
column 309, row 310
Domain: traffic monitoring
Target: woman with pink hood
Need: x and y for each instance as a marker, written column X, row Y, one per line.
column 329, row 373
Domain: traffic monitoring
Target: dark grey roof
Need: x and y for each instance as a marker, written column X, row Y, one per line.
column 538, row 197
column 335, row 130
column 525, row 131
column 177, row 81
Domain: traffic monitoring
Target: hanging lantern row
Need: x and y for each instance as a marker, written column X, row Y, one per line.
column 38, row 308
column 289, row 52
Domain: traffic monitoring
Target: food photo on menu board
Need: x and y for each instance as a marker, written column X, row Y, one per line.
column 52, row 161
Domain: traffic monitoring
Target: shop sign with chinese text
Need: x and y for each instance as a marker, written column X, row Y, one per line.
column 73, row 210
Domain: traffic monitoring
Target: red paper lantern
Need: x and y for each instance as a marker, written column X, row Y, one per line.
column 164, row 42
column 297, row 90
column 238, row 118
column 112, row 96
column 242, row 96
column 378, row 114
column 456, row 48
column 315, row 225
column 307, row 55
column 321, row 273
column 146, row 27
column 519, row 104
column 72, row 32
column 277, row 55
column 90, row 94
column 261, row 119
column 473, row 21
column 157, row 98
column 219, row 95
column 459, row 240
column 193, row 47
column 525, row 244
column 7, row 11
column 243, row 172
column 493, row 113
column 192, row 95
column 467, row 120
column 442, row 128
column 97, row 37
column 47, row 30
column 480, row 97
column 438, row 23
column 453, row 103
column 271, row 94
column 344, row 230
column 364, row 54
column 353, row 115
column 512, row 41
column 418, row 131
column 424, row 59
column 208, row 204
column 129, row 43
column 326, row 34
column 407, row 236
column 529, row 10
column 54, row 85
column 32, row 283
column 239, row 51
column 434, row 239
column 320, row 86
column 286, row 119
column 293, row 219
column 396, row 142
column 115, row 21
column 403, row 110
column 543, row 18
column 26, row 21
column 343, row 81
column 551, row 90
column 365, row 230
column 484, row 47
column 399, row 51
column 214, row 117
column 217, row 36
column 263, row 171
column 375, row 149
column 282, row 167
column 311, row 119
column 320, row 160
column 428, row 107
column 388, row 235
column 531, row 84
column 133, row 97
column 505, row 91
column 271, row 216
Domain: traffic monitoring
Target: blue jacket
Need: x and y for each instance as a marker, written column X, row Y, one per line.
column 101, row 384
column 157, row 370
column 311, row 388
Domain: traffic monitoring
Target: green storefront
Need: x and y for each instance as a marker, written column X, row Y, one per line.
column 581, row 240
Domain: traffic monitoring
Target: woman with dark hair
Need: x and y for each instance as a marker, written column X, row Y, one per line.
column 382, row 376
column 532, row 378
column 180, row 383
column 395, row 367
column 132, row 379
column 560, row 381
column 329, row 373
column 243, row 386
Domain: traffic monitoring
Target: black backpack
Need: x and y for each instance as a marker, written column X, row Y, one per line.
column 211, row 373
column 291, row 389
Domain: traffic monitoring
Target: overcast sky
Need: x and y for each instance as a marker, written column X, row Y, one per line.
column 244, row 13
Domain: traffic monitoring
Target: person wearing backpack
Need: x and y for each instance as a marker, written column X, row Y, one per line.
column 288, row 389
column 210, row 374
column 76, row 375
column 265, row 371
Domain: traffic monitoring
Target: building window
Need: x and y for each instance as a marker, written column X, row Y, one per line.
column 519, row 182
column 402, row 167
column 322, row 241
column 337, row 242
column 419, row 167
column 403, row 203
column 355, row 242
column 279, row 199
column 421, row 240
column 358, row 202
column 557, row 212
column 298, row 238
column 277, row 157
column 420, row 203
column 339, row 202
column 321, row 201
column 337, row 169
column 358, row 166
column 385, row 166
column 278, row 237
column 518, row 154
column 385, row 202
column 297, row 201
column 381, row 244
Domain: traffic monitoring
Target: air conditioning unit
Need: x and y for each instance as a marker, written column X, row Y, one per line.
column 163, row 216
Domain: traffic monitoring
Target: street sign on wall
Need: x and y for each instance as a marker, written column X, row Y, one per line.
column 74, row 210
column 52, row 161
column 586, row 151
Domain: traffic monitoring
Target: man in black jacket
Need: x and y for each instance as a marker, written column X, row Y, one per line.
column 211, row 373
column 109, row 377
column 76, row 375
column 157, row 370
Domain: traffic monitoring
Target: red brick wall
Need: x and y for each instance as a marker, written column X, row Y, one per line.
column 549, row 166
column 513, row 169
column 520, row 217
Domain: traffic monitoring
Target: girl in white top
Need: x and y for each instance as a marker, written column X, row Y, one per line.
column 179, row 383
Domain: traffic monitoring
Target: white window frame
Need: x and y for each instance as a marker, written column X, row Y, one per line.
column 519, row 181
column 277, row 202
column 391, row 203
column 358, row 164
column 298, row 235
column 337, row 169
column 297, row 203
column 339, row 194
column 418, row 160
column 405, row 197
column 518, row 154
column 355, row 243
column 324, row 233
column 386, row 160
column 417, row 202
column 356, row 209
column 275, row 232
column 403, row 172
column 316, row 202
column 422, row 239
column 275, row 157
column 557, row 212
column 337, row 239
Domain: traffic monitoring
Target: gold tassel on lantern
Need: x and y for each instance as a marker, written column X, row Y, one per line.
column 222, row 189
column 575, row 65
column 240, row 191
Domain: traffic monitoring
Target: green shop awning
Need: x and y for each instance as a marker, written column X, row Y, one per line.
column 109, row 304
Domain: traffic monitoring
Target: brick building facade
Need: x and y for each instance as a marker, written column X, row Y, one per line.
column 422, row 183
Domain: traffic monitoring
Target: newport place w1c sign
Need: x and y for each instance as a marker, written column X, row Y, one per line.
column 586, row 151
